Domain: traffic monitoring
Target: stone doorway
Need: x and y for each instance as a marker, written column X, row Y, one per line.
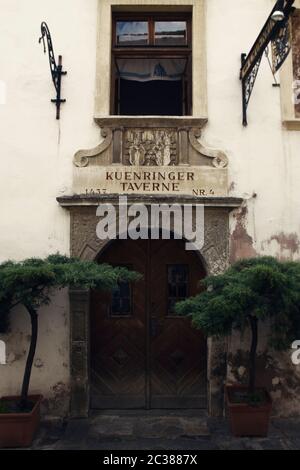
column 143, row 355
column 86, row 245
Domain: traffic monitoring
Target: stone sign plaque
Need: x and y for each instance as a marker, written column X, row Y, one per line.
column 181, row 180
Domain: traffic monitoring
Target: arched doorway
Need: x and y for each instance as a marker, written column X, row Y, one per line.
column 141, row 354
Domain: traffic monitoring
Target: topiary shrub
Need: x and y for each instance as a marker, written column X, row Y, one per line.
column 31, row 282
column 247, row 294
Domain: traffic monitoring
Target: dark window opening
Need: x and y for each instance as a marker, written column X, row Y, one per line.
column 155, row 98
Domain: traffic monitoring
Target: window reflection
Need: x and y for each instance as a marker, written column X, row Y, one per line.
column 170, row 33
column 132, row 33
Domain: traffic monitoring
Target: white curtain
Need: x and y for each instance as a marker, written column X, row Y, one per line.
column 145, row 70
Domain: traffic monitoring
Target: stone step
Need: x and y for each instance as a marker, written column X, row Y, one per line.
column 147, row 426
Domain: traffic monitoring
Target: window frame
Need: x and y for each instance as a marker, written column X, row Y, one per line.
column 151, row 18
column 152, row 50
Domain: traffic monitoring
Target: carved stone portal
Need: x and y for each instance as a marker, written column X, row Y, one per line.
column 86, row 245
column 153, row 142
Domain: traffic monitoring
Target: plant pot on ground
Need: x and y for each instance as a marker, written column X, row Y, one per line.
column 17, row 429
column 30, row 283
column 249, row 293
column 249, row 415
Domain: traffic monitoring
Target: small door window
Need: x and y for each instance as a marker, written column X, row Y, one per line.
column 121, row 299
column 177, row 285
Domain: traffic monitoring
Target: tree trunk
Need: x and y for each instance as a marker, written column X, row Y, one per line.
column 30, row 357
column 252, row 363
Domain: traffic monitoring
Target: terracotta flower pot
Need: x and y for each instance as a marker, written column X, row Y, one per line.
column 18, row 429
column 248, row 420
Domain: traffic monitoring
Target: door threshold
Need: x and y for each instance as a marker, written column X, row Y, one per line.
column 153, row 412
column 149, row 424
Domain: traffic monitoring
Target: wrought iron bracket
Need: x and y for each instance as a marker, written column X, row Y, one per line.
column 248, row 85
column 278, row 35
column 55, row 69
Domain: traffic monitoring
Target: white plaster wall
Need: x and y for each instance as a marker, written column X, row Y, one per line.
column 264, row 158
column 50, row 372
column 36, row 154
column 36, row 151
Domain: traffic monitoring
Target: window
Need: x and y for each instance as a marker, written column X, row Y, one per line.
column 149, row 31
column 170, row 33
column 132, row 33
column 296, row 58
column 177, row 285
column 290, row 76
column 121, row 299
column 151, row 65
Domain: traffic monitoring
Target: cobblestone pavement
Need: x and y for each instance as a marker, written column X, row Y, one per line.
column 153, row 431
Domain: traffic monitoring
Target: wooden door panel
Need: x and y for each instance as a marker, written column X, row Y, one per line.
column 149, row 359
column 178, row 351
column 118, row 345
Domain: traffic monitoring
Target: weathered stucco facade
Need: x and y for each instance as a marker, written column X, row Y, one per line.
column 259, row 213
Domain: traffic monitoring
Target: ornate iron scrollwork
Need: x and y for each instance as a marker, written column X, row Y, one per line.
column 281, row 46
column 248, row 85
column 274, row 32
column 56, row 70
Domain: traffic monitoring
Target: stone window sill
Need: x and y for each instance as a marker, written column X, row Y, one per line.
column 151, row 121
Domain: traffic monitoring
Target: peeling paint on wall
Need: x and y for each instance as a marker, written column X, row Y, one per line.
column 57, row 403
column 241, row 243
column 287, row 245
column 38, row 363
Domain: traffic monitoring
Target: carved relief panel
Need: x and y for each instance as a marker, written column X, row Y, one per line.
column 150, row 147
column 152, row 142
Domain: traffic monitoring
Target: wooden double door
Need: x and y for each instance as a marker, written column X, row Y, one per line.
column 142, row 354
